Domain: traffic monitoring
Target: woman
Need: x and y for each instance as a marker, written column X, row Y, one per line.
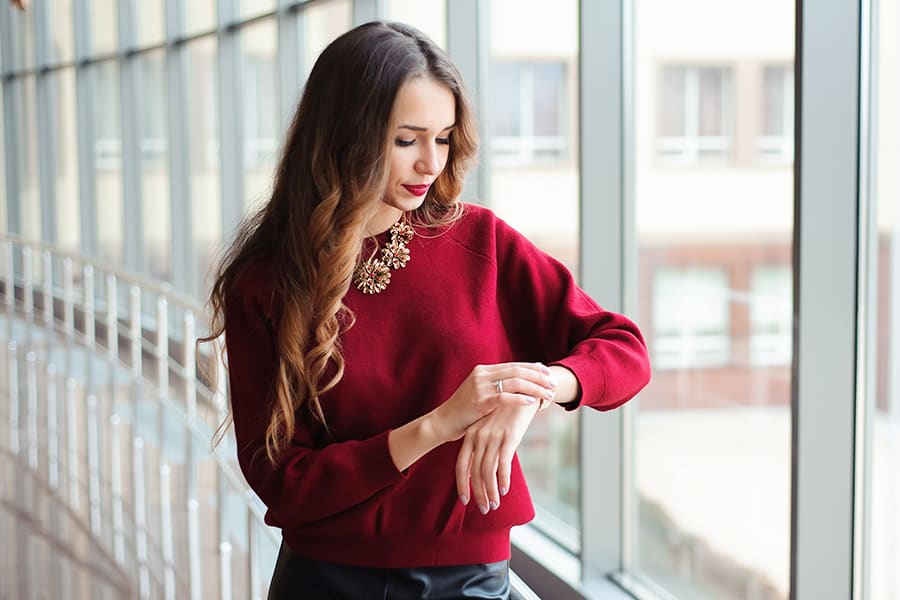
column 389, row 346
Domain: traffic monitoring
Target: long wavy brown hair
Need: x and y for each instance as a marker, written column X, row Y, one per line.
column 331, row 177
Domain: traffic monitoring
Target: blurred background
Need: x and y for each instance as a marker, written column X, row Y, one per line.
column 650, row 145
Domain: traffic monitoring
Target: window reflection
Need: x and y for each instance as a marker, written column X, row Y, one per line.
column 260, row 114
column 68, row 213
column 713, row 190
column 108, row 158
column 156, row 214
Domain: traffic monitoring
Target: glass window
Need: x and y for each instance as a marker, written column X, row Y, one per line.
column 884, row 494
column 711, row 433
column 529, row 101
column 156, row 215
column 695, row 114
column 3, row 208
column 22, row 22
column 62, row 35
column 151, row 24
column 771, row 315
column 324, row 22
column 206, row 197
column 29, row 177
column 261, row 123
column 776, row 139
column 691, row 318
column 428, row 16
column 533, row 82
column 200, row 15
column 108, row 158
column 68, row 205
column 252, row 8
column 104, row 16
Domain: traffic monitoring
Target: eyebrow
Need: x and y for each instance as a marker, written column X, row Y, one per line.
column 418, row 128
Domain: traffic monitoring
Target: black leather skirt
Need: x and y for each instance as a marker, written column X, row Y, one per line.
column 298, row 577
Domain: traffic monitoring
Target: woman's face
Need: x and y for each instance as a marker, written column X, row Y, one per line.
column 423, row 117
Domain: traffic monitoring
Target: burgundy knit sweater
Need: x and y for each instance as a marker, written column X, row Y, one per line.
column 478, row 293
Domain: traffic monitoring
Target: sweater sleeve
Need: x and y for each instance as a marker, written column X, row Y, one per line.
column 308, row 483
column 554, row 321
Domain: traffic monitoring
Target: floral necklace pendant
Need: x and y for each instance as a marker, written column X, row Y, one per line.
column 374, row 275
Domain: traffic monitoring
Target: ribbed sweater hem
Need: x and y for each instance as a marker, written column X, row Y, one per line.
column 388, row 551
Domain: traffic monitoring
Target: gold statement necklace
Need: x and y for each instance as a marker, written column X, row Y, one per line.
column 372, row 276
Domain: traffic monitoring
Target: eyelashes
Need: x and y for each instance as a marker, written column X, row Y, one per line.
column 404, row 143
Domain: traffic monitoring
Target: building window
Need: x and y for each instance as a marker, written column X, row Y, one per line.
column 695, row 115
column 776, row 139
column 690, row 318
column 528, row 116
column 770, row 315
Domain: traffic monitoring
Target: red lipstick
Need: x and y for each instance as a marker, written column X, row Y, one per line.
column 417, row 190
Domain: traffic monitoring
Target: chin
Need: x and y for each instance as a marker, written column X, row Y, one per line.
column 405, row 204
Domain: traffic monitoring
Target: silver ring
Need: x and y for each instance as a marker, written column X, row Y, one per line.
column 498, row 385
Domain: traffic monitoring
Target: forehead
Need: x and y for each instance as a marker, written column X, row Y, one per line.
column 424, row 102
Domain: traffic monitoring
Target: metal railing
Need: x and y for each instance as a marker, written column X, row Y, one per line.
column 109, row 421
column 108, row 485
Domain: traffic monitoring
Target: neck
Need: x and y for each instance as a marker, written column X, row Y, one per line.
column 382, row 219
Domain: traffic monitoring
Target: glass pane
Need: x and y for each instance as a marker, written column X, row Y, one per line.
column 533, row 62
column 200, row 15
column 428, row 16
column 3, row 208
column 324, row 22
column 884, row 495
column 108, row 159
column 252, row 8
column 30, row 190
column 715, row 295
column 261, row 123
column 68, row 206
column 206, row 198
column 22, row 23
column 62, row 35
column 104, row 16
column 151, row 24
column 154, row 164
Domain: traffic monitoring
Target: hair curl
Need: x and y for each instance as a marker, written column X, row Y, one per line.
column 331, row 176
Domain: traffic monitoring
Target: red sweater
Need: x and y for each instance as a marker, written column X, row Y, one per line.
column 479, row 293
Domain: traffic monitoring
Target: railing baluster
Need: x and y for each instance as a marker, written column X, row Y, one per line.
column 162, row 345
column 112, row 320
column 9, row 277
column 190, row 368
column 27, row 284
column 189, row 373
column 116, row 483
column 140, row 518
column 47, row 261
column 31, row 417
column 90, row 326
column 165, row 500
column 13, row 369
column 252, row 552
column 72, row 443
column 68, row 299
column 93, row 448
column 165, row 494
column 52, row 428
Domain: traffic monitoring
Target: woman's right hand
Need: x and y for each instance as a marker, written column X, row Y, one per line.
column 478, row 395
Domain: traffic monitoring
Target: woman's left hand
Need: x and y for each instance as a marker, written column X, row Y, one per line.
column 487, row 452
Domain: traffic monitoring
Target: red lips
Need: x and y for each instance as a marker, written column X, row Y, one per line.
column 417, row 190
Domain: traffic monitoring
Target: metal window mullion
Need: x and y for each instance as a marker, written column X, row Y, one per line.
column 368, row 10
column 291, row 59
column 231, row 121
column 86, row 135
column 468, row 44
column 46, row 126
column 605, row 486
column 131, row 115
column 826, row 300
column 177, row 89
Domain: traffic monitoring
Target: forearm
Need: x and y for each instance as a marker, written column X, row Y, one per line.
column 408, row 443
column 567, row 387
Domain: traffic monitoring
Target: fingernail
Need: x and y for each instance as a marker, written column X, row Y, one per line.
column 503, row 491
column 545, row 369
column 483, row 509
column 464, row 499
column 551, row 381
column 530, row 399
column 494, row 505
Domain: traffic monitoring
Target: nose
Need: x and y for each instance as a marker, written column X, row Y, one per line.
column 429, row 161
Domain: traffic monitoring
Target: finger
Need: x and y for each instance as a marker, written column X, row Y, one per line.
column 504, row 466
column 489, row 476
column 477, row 481
column 463, row 470
column 527, row 372
column 525, row 388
